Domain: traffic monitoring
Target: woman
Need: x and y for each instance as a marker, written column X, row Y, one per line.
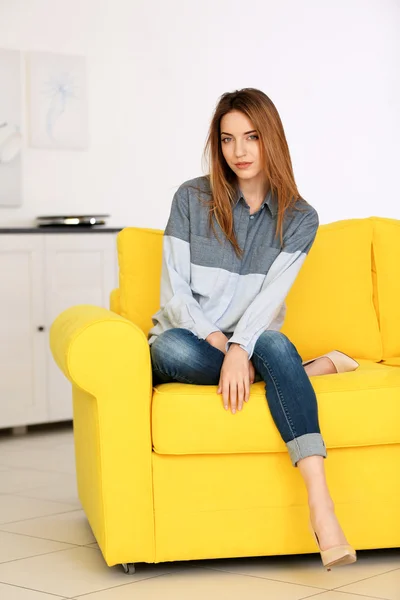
column 233, row 246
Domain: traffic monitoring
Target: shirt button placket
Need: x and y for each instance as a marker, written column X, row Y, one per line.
column 242, row 234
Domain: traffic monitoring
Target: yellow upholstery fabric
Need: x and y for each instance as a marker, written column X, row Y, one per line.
column 107, row 359
column 228, row 505
column 190, row 419
column 394, row 362
column 166, row 474
column 387, row 259
column 325, row 286
column 115, row 302
column 140, row 259
column 330, row 306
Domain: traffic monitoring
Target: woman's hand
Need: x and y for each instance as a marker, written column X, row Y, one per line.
column 218, row 340
column 234, row 380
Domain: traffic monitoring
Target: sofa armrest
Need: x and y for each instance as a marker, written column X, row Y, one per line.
column 107, row 359
column 83, row 325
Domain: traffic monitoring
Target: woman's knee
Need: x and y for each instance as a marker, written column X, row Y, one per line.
column 275, row 342
column 172, row 346
column 180, row 355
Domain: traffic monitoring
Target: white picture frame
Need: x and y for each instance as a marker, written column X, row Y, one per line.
column 57, row 101
column 11, row 140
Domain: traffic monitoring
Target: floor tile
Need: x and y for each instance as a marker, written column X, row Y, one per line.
column 336, row 596
column 18, row 480
column 46, row 451
column 65, row 492
column 308, row 569
column 382, row 586
column 55, row 437
column 199, row 584
column 15, row 508
column 45, row 459
column 14, row 546
column 72, row 573
column 10, row 592
column 71, row 527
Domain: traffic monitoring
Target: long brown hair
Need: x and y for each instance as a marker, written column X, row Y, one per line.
column 274, row 154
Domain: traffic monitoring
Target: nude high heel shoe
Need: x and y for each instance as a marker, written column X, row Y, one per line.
column 337, row 556
column 343, row 363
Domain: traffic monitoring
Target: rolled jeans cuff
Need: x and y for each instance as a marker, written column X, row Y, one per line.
column 310, row 444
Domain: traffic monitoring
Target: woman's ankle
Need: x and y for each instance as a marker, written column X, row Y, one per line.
column 322, row 503
column 327, row 527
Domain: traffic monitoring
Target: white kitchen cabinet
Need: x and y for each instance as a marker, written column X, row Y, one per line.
column 42, row 274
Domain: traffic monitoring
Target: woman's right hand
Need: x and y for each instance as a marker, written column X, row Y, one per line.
column 218, row 340
column 234, row 381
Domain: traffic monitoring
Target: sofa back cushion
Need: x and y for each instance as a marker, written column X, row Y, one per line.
column 331, row 305
column 140, row 259
column 386, row 247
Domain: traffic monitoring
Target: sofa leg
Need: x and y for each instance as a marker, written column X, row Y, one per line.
column 129, row 568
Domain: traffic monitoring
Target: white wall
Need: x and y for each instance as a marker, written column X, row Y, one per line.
column 156, row 69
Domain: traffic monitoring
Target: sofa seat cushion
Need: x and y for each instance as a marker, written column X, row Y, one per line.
column 360, row 408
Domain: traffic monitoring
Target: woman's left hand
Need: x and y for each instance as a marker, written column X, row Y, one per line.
column 234, row 382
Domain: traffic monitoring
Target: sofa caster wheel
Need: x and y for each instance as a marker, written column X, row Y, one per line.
column 129, row 568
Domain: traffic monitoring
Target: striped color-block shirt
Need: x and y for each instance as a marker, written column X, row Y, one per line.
column 205, row 287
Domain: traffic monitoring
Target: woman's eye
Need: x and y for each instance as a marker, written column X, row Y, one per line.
column 227, row 139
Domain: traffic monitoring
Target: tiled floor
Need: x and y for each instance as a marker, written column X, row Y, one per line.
column 47, row 549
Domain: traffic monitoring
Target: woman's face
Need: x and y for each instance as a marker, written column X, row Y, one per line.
column 240, row 145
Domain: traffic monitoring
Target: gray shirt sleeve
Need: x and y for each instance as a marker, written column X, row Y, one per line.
column 280, row 278
column 177, row 301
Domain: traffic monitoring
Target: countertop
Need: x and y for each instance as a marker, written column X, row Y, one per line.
column 61, row 229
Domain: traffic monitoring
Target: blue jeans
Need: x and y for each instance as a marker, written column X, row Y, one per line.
column 179, row 355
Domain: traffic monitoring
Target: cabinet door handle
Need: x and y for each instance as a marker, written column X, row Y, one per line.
column 41, row 328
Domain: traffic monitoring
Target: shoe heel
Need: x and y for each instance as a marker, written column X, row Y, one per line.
column 336, row 556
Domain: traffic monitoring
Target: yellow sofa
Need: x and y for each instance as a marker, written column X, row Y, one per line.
column 167, row 474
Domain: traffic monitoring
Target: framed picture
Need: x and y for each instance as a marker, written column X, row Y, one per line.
column 57, row 101
column 10, row 128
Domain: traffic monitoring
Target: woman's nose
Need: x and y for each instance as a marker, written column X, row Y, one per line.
column 239, row 150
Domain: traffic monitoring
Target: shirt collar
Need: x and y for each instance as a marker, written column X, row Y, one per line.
column 269, row 200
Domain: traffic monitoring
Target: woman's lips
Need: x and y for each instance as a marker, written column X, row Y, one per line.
column 243, row 165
